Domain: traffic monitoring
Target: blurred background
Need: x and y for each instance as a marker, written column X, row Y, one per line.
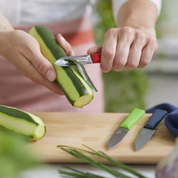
column 142, row 88
column 155, row 84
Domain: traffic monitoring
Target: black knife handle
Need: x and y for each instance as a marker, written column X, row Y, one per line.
column 155, row 119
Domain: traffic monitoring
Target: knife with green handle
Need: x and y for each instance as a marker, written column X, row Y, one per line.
column 125, row 127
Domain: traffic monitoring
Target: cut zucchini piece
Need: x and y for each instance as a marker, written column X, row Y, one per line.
column 21, row 122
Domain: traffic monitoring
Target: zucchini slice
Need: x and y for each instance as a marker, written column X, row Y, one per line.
column 75, row 88
column 21, row 122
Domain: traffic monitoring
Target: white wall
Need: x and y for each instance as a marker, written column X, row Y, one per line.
column 163, row 71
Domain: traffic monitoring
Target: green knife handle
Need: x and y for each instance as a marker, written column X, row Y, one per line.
column 132, row 118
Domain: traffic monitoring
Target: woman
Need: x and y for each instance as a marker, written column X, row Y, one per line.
column 24, row 71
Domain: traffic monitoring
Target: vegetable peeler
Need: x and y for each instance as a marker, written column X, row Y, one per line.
column 84, row 59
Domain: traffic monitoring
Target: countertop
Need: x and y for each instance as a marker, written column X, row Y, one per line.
column 51, row 171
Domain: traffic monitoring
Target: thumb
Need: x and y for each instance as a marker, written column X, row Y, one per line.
column 44, row 67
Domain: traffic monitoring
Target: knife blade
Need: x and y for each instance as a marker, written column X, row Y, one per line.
column 84, row 59
column 125, row 127
column 149, row 129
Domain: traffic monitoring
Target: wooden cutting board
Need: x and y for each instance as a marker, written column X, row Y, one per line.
column 94, row 130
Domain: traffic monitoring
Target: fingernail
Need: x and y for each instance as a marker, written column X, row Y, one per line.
column 73, row 54
column 50, row 75
column 63, row 39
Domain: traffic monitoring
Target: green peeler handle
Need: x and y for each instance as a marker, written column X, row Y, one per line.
column 132, row 118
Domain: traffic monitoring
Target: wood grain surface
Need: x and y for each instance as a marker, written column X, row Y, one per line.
column 95, row 130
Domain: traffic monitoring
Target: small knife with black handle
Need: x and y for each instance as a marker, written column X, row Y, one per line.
column 149, row 129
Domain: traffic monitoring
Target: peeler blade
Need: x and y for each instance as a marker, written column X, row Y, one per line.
column 84, row 59
column 62, row 63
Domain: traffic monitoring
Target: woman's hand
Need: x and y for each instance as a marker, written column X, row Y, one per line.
column 23, row 51
column 126, row 47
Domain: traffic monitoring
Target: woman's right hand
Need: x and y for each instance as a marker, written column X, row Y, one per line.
column 23, row 51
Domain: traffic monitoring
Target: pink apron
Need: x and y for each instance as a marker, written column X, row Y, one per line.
column 17, row 90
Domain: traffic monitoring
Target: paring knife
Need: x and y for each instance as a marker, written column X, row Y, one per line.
column 148, row 130
column 84, row 59
column 125, row 127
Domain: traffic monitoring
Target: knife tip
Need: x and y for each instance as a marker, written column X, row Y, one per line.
column 137, row 148
column 111, row 146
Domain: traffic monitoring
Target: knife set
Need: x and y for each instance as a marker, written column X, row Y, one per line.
column 146, row 133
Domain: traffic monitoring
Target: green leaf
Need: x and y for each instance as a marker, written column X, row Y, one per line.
column 77, row 173
column 14, row 156
column 79, row 153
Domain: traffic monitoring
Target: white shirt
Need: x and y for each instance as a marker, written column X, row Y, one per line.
column 118, row 3
column 43, row 11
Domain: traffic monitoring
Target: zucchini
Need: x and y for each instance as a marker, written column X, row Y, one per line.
column 69, row 79
column 21, row 122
